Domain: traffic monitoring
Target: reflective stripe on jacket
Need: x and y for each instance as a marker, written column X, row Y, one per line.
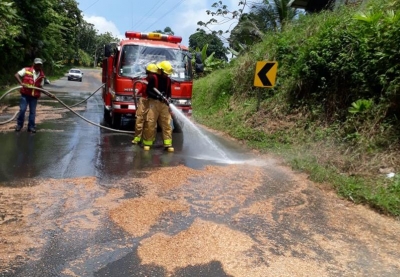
column 28, row 81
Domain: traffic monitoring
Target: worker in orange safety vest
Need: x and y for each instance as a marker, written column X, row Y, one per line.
column 29, row 78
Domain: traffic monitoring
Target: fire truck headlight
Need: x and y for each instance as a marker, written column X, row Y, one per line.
column 123, row 98
column 182, row 102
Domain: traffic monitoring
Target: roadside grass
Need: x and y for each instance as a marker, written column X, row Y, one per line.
column 307, row 118
column 374, row 189
column 353, row 173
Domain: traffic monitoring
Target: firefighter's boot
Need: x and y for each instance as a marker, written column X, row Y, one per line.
column 146, row 148
column 169, row 149
column 136, row 140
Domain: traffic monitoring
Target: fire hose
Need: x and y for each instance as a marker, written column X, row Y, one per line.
column 49, row 94
column 166, row 101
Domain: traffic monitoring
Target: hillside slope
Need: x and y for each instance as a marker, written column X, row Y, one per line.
column 334, row 111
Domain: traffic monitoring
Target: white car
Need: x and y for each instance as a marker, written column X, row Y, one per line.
column 75, row 74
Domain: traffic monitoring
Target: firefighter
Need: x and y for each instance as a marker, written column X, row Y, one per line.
column 143, row 106
column 159, row 109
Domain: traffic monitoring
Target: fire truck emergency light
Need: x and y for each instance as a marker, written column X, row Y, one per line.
column 153, row 36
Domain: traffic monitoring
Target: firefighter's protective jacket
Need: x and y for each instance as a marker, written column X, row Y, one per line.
column 152, row 82
column 163, row 84
column 158, row 111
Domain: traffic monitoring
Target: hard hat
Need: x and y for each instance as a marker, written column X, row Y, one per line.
column 152, row 67
column 166, row 67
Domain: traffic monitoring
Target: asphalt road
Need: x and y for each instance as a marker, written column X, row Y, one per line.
column 80, row 200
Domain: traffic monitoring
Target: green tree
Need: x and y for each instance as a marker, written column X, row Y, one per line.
column 215, row 44
column 273, row 15
column 265, row 15
column 26, row 23
column 10, row 30
column 87, row 37
column 247, row 32
column 102, row 40
column 48, row 29
column 71, row 22
column 167, row 31
column 8, row 24
column 227, row 16
column 36, row 15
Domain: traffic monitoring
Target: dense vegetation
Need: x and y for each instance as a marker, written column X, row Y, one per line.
column 334, row 111
column 51, row 29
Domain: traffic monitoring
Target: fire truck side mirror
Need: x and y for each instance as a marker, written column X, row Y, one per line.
column 199, row 66
column 188, row 54
column 107, row 50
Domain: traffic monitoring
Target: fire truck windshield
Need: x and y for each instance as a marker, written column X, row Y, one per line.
column 135, row 58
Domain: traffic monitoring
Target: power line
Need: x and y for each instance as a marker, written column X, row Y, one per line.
column 144, row 16
column 149, row 13
column 90, row 6
column 180, row 2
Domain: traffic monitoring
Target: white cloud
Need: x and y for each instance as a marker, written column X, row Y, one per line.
column 184, row 25
column 188, row 25
column 103, row 25
column 195, row 11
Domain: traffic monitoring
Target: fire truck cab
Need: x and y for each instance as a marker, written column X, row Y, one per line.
column 125, row 63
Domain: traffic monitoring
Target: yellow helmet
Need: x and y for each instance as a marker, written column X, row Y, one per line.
column 166, row 67
column 152, row 67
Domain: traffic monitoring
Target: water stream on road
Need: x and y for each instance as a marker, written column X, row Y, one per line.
column 199, row 139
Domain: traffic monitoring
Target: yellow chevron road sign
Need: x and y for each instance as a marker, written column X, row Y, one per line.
column 265, row 74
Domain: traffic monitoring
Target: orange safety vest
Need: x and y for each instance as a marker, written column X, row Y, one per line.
column 28, row 81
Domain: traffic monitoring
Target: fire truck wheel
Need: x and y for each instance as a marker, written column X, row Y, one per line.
column 107, row 116
column 115, row 121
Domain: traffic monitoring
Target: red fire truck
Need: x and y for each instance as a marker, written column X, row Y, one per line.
column 125, row 63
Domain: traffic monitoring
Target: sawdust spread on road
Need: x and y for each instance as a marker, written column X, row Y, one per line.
column 265, row 236
column 255, row 221
column 202, row 243
column 138, row 215
column 43, row 113
column 28, row 211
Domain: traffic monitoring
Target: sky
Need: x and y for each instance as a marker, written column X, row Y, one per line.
column 119, row 16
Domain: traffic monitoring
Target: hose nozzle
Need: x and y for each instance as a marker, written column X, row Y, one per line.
column 165, row 99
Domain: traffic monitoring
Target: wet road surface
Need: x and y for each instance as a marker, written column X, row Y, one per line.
column 78, row 200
